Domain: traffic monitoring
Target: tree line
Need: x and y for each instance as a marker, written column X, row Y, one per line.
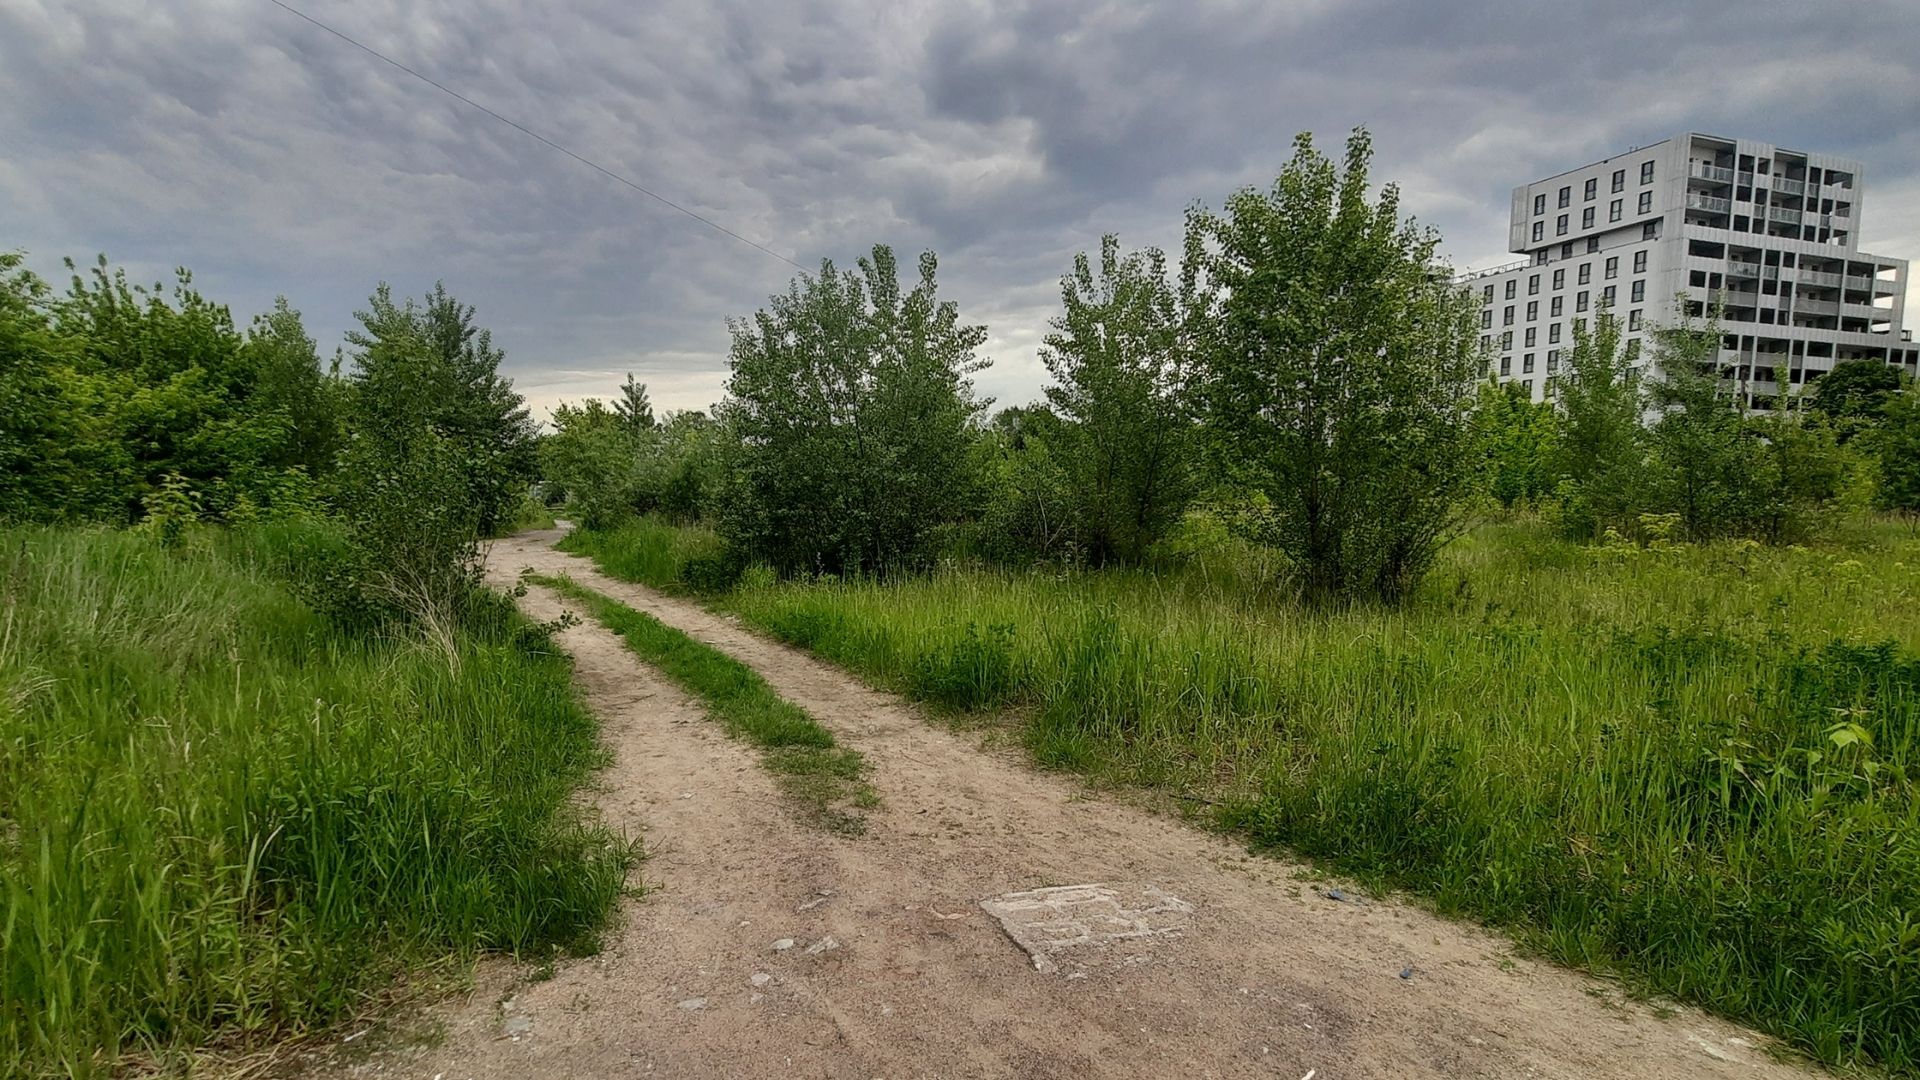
column 1306, row 369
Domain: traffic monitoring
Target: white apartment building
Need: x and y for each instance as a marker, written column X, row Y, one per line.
column 1767, row 233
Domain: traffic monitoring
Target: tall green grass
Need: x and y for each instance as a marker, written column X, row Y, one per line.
column 223, row 822
column 811, row 767
column 1691, row 766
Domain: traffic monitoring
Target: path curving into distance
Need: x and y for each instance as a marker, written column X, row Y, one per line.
column 895, row 969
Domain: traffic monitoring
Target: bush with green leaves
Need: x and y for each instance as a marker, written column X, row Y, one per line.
column 1600, row 461
column 1519, row 443
column 1121, row 357
column 1896, row 451
column 428, row 363
column 1338, row 359
column 850, row 418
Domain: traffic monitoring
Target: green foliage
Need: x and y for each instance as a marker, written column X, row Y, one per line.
column 170, row 510
column 427, row 364
column 1687, row 764
column 1121, row 357
column 633, row 408
column 1519, row 442
column 595, row 457
column 1027, row 504
column 1854, row 392
column 1896, row 449
column 850, row 419
column 1338, row 363
column 1602, row 455
column 221, row 820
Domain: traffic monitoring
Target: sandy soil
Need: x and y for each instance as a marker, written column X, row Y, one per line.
column 1266, row 977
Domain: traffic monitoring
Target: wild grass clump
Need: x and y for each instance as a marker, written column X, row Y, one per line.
column 826, row 778
column 222, row 820
column 1691, row 765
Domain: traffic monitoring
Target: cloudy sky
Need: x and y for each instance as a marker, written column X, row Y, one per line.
column 271, row 157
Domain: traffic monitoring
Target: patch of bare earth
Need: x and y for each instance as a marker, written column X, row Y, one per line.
column 765, row 947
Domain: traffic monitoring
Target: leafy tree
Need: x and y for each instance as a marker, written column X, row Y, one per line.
column 1027, row 502
column 850, row 417
column 46, row 424
column 291, row 384
column 634, row 410
column 689, row 470
column 1853, row 393
column 1338, row 359
column 594, row 455
column 1120, row 355
column 1705, row 464
column 1602, row 453
column 1519, row 443
column 1896, row 447
column 428, row 361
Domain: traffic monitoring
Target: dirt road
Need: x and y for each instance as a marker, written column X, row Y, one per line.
column 895, row 970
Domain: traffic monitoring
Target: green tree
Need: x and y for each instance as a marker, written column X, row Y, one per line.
column 291, row 385
column 1705, row 464
column 850, row 418
column 1896, row 450
column 1120, row 355
column 595, row 456
column 1339, row 359
column 429, row 362
column 1601, row 461
column 1853, row 393
column 1519, row 443
column 633, row 407
column 54, row 447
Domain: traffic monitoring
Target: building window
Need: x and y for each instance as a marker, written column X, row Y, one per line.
column 1526, row 364
column 1560, row 278
column 1539, row 257
column 1486, row 345
column 1566, row 197
column 1566, row 250
column 1506, row 366
column 1619, row 179
column 1539, row 230
column 1560, row 225
column 1586, row 272
column 1580, row 300
column 1556, row 306
column 1579, row 327
column 1593, row 244
column 1533, row 334
column 1633, row 319
column 1506, row 317
column 1553, row 361
column 1650, row 231
column 1486, row 294
column 1614, row 210
column 1646, row 172
column 1613, row 268
column 1533, row 285
column 1486, row 319
column 1639, row 292
column 1586, row 218
column 1506, row 340
column 1553, row 332
column 1646, row 202
column 1593, row 188
column 1609, row 294
column 1533, row 310
column 1539, row 204
column 1639, row 262
column 1512, row 284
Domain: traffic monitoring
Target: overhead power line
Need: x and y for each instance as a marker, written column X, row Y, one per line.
column 532, row 134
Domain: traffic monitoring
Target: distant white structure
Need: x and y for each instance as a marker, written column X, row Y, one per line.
column 1767, row 233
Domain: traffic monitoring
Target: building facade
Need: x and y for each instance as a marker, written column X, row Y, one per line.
column 1768, row 234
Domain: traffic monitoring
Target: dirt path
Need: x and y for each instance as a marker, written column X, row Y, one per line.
column 1268, row 976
